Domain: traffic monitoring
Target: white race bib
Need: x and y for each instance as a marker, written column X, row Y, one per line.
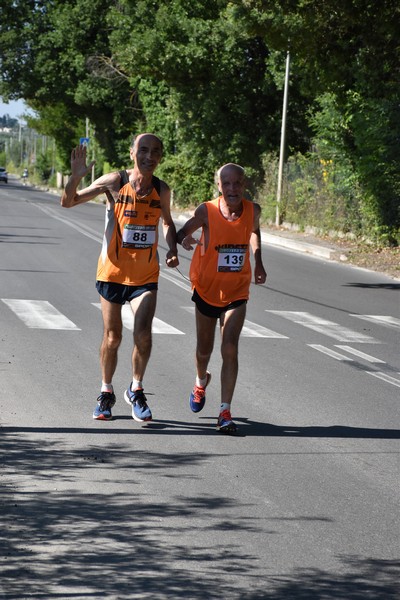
column 231, row 258
column 138, row 236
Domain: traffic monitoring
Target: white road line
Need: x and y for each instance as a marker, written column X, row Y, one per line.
column 90, row 233
column 360, row 354
column 185, row 286
column 250, row 329
column 380, row 319
column 329, row 328
column 331, row 353
column 253, row 330
column 158, row 326
column 385, row 377
column 39, row 314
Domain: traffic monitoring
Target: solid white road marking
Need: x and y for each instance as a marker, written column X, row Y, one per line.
column 40, row 314
column 385, row 377
column 381, row 320
column 185, row 286
column 87, row 231
column 329, row 328
column 360, row 354
column 157, row 327
column 251, row 329
column 331, row 353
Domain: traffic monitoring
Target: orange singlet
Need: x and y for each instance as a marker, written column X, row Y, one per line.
column 129, row 252
column 221, row 274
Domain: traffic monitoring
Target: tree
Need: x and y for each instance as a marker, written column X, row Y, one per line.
column 350, row 50
column 46, row 49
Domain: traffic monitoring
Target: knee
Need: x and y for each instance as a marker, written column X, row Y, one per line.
column 112, row 339
column 203, row 352
column 143, row 341
column 229, row 351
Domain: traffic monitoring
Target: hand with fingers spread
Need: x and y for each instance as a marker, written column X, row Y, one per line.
column 78, row 162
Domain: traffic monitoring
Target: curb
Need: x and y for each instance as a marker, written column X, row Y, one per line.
column 314, row 249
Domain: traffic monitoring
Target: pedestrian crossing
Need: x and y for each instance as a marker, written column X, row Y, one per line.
column 41, row 314
column 159, row 327
column 334, row 330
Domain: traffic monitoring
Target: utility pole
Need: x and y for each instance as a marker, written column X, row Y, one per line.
column 283, row 139
column 92, row 143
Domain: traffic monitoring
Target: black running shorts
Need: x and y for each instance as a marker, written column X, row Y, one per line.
column 119, row 293
column 208, row 310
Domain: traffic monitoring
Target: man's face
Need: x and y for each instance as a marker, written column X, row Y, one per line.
column 146, row 153
column 232, row 185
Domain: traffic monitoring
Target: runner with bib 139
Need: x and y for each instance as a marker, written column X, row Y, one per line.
column 220, row 273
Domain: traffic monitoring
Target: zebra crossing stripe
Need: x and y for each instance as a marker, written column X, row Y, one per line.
column 251, row 329
column 380, row 319
column 329, row 328
column 385, row 377
column 158, row 326
column 331, row 353
column 39, row 314
column 360, row 354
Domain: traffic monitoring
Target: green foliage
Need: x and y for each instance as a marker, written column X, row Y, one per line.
column 316, row 193
column 44, row 166
column 360, row 138
column 207, row 76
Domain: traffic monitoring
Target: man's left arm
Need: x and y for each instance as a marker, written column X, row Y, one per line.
column 260, row 275
column 168, row 226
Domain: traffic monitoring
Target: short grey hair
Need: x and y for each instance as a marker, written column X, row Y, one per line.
column 138, row 135
column 230, row 165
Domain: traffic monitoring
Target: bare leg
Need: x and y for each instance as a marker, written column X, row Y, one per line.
column 112, row 337
column 205, row 329
column 143, row 309
column 231, row 326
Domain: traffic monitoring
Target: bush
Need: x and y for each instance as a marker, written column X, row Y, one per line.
column 315, row 193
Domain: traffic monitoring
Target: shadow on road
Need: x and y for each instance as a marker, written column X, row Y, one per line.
column 247, row 427
column 69, row 531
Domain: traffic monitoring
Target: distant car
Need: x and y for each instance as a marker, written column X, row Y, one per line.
column 3, row 175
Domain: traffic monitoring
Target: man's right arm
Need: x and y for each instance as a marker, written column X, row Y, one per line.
column 71, row 196
column 198, row 221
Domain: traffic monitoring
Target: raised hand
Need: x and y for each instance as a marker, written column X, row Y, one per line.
column 78, row 162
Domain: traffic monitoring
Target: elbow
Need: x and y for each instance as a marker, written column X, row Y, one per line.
column 65, row 203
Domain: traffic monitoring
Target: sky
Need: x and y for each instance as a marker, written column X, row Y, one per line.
column 15, row 108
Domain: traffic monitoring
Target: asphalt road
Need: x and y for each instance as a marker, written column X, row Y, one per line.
column 303, row 504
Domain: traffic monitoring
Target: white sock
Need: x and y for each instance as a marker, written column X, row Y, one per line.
column 136, row 384
column 225, row 406
column 107, row 387
column 201, row 382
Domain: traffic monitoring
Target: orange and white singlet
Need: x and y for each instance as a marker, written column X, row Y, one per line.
column 221, row 274
column 129, row 252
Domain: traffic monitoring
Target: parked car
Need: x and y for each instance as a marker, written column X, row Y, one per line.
column 3, row 175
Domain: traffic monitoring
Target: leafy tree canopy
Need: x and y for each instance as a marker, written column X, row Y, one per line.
column 207, row 76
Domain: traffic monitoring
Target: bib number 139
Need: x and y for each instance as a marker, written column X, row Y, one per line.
column 231, row 259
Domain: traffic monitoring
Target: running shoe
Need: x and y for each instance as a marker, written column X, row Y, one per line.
column 225, row 423
column 140, row 410
column 197, row 397
column 105, row 402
